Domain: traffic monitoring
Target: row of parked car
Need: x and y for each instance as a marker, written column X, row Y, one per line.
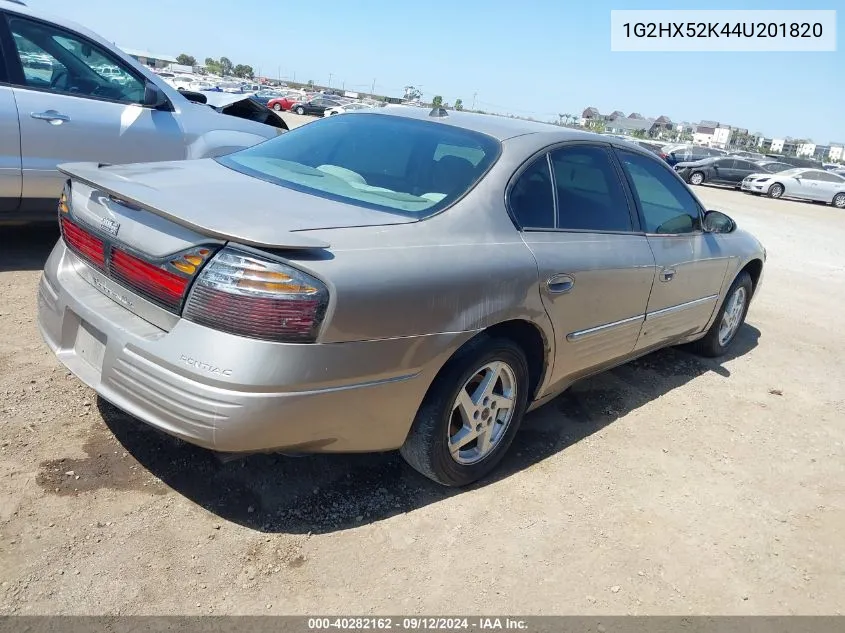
column 782, row 177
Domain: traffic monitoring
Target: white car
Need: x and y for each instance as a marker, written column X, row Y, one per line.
column 346, row 107
column 802, row 183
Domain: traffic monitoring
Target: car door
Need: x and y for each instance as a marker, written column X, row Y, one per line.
column 595, row 268
column 742, row 169
column 10, row 145
column 691, row 264
column 69, row 112
column 800, row 185
column 815, row 186
column 829, row 185
column 723, row 170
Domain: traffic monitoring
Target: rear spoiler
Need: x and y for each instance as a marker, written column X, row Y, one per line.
column 155, row 202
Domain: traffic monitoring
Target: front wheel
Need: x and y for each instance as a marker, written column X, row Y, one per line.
column 776, row 191
column 277, row 107
column 696, row 178
column 470, row 414
column 728, row 320
column 839, row 200
column 300, row 110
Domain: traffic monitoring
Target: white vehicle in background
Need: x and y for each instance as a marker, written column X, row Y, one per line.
column 71, row 96
column 199, row 85
column 346, row 107
column 802, row 183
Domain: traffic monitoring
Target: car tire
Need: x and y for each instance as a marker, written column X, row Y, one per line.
column 730, row 316
column 696, row 178
column 277, row 107
column 775, row 191
column 839, row 200
column 429, row 446
column 300, row 110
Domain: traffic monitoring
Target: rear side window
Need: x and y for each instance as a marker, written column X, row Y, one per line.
column 589, row 192
column 378, row 161
column 532, row 199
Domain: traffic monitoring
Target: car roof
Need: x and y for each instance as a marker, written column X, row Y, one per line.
column 499, row 127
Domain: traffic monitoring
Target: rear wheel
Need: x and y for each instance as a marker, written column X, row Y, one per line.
column 470, row 414
column 839, row 200
column 729, row 319
column 696, row 178
column 776, row 190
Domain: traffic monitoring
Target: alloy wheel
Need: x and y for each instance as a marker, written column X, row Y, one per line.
column 697, row 178
column 482, row 413
column 732, row 316
column 839, row 201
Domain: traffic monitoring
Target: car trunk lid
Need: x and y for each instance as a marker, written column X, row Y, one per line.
column 217, row 202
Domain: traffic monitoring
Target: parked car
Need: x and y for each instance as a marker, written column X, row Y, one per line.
column 76, row 111
column 724, row 170
column 245, row 107
column 397, row 278
column 346, row 107
column 796, row 161
column 805, row 184
column 772, row 166
column 755, row 156
column 689, row 153
column 316, row 106
column 282, row 103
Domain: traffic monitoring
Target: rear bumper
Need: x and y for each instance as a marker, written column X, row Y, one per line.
column 232, row 394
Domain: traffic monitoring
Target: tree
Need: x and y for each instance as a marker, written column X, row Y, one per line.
column 186, row 60
column 459, row 104
column 437, row 101
column 639, row 134
column 412, row 93
column 597, row 126
column 310, row 83
column 244, row 71
column 213, row 66
column 226, row 65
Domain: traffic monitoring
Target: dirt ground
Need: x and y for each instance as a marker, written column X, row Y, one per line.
column 672, row 485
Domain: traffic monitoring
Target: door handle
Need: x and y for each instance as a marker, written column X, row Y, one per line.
column 53, row 117
column 559, row 284
column 667, row 274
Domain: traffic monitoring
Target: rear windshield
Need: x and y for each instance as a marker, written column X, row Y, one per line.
column 377, row 161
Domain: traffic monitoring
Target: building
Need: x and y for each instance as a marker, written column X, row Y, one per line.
column 764, row 144
column 153, row 60
column 630, row 127
column 836, row 152
column 806, row 149
column 712, row 134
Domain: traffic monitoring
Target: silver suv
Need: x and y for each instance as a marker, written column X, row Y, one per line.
column 67, row 95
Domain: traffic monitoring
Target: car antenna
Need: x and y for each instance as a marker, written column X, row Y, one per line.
column 438, row 111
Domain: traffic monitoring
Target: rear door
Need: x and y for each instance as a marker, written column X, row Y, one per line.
column 596, row 268
column 69, row 112
column 723, row 170
column 829, row 185
column 691, row 264
column 10, row 141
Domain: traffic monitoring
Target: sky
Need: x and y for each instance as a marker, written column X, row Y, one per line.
column 536, row 58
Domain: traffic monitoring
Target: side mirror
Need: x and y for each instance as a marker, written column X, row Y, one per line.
column 154, row 97
column 718, row 222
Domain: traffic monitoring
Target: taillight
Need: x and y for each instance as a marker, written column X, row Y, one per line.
column 81, row 242
column 153, row 282
column 250, row 296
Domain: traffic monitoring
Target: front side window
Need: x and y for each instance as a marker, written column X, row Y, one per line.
column 667, row 206
column 58, row 61
column 383, row 162
column 589, row 192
